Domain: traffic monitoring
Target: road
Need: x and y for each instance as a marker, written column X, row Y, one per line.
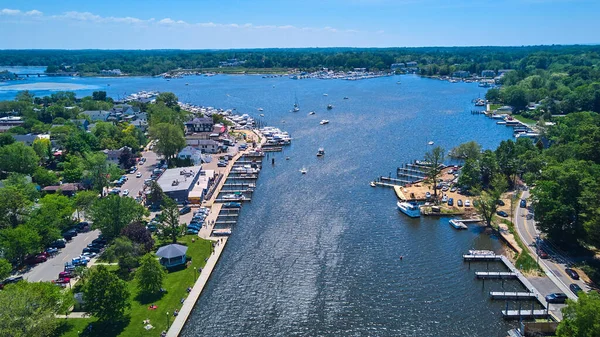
column 48, row 271
column 136, row 185
column 555, row 265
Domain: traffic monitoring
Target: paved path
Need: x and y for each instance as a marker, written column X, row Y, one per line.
column 554, row 267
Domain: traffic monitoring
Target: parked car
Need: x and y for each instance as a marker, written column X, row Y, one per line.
column 427, row 195
column 445, row 198
column 523, row 203
column 467, row 203
column 61, row 243
column 12, row 279
column 542, row 254
column 36, row 259
column 500, row 202
column 151, row 227
column 451, row 202
column 51, row 250
column 91, row 250
column 62, row 281
column 459, row 203
column 69, row 267
column 556, row 298
column 64, row 274
column 502, row 214
column 573, row 274
column 445, row 188
column 99, row 241
column 453, row 189
column 138, row 175
column 192, row 231
column 185, row 210
column 575, row 288
column 221, row 164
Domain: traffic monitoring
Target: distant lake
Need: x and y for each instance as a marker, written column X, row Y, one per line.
column 318, row 254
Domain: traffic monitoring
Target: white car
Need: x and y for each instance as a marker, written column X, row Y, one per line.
column 88, row 255
column 467, row 203
column 125, row 192
column 138, row 175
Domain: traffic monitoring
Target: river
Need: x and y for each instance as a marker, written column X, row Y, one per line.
column 318, row 254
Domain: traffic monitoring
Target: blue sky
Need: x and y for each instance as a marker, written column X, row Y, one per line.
column 207, row 24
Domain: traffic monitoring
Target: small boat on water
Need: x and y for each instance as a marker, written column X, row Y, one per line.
column 260, row 109
column 237, row 196
column 409, row 208
column 345, row 97
column 398, row 82
column 329, row 107
column 303, row 170
column 430, row 142
column 287, row 158
column 325, row 95
column 323, row 122
column 187, row 84
column 457, row 224
column 321, row 152
column 262, row 115
column 311, row 113
column 372, row 183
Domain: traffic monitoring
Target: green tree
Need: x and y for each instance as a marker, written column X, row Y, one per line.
column 14, row 207
column 468, row 150
column 581, row 318
column 111, row 214
column 82, row 272
column 138, row 233
column 105, row 295
column 19, row 242
column 6, row 139
column 29, row 309
column 53, row 215
column 169, row 139
column 84, row 201
column 44, row 177
column 486, row 203
column 156, row 194
column 19, row 158
column 150, row 275
column 488, row 167
column 73, row 168
column 171, row 227
column 125, row 252
column 435, row 160
column 42, row 148
column 169, row 99
column 5, row 269
column 470, row 175
column 507, row 159
column 493, row 95
column 99, row 95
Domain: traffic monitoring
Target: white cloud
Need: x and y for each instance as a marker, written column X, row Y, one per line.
column 7, row 11
column 81, row 16
column 34, row 12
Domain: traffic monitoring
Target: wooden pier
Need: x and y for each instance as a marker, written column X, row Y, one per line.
column 512, row 295
column 394, row 180
column 527, row 314
column 483, row 258
column 379, row 183
column 244, row 177
column 231, row 200
column 242, row 184
column 272, row 149
column 225, row 222
column 495, row 275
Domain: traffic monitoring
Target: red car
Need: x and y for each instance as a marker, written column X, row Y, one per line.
column 542, row 253
column 64, row 274
column 64, row 280
column 36, row 259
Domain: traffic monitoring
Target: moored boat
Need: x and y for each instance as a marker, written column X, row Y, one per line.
column 409, row 208
column 457, row 224
column 320, row 152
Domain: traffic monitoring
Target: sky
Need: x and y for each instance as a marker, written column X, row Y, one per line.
column 226, row 24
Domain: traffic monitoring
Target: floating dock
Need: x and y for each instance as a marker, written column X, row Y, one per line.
column 495, row 275
column 482, row 257
column 520, row 314
column 512, row 295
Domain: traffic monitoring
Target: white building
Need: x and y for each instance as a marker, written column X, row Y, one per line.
column 189, row 152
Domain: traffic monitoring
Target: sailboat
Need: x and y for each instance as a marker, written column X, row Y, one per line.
column 296, row 105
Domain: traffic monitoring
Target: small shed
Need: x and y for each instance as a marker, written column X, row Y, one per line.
column 172, row 255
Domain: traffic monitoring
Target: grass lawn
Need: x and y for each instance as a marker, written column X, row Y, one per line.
column 495, row 106
column 176, row 284
column 524, row 119
column 524, row 261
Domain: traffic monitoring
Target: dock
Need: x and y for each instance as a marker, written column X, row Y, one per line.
column 378, row 183
column 402, row 182
column 512, row 295
column 244, row 177
column 242, row 184
column 520, row 314
column 232, row 200
column 483, row 258
column 495, row 275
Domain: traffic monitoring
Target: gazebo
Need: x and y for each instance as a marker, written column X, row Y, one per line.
column 172, row 255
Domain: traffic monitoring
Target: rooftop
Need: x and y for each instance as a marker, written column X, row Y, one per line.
column 182, row 181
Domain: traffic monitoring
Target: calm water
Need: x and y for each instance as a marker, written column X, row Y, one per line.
column 318, row 254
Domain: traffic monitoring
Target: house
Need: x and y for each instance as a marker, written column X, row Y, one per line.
column 192, row 153
column 111, row 72
column 141, row 124
column 504, row 71
column 411, row 64
column 6, row 123
column 113, row 156
column 30, row 138
column 203, row 124
column 97, row 115
column 82, row 123
column 488, row 73
column 461, row 74
column 400, row 65
column 504, row 110
column 204, row 145
column 66, row 189
column 125, row 109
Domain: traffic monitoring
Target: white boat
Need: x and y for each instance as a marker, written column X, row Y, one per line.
column 329, row 107
column 262, row 115
column 320, row 152
column 296, row 105
column 457, row 224
column 323, row 122
column 372, row 183
column 233, row 197
column 303, row 170
column 410, row 209
column 260, row 109
column 311, row 113
column 324, row 94
column 430, row 142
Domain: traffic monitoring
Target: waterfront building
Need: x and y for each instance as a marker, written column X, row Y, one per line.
column 177, row 183
column 172, row 255
column 461, row 74
column 488, row 73
column 111, row 72
column 199, row 124
column 97, row 115
column 9, row 122
column 192, row 153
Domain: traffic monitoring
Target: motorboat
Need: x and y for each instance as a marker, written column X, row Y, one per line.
column 323, row 122
column 457, row 224
column 320, row 152
column 233, row 197
column 372, row 183
column 262, row 115
column 260, row 109
column 329, row 107
column 409, row 208
column 430, row 142
column 346, row 97
column 311, row 113
column 303, row 170
column 325, row 95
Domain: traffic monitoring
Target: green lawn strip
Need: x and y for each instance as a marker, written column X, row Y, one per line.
column 176, row 284
column 495, row 106
column 525, row 262
column 524, row 119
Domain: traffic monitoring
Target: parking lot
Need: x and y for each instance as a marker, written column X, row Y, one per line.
column 48, row 271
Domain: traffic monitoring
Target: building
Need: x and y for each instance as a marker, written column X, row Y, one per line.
column 83, row 123
column 204, row 145
column 97, row 115
column 6, row 123
column 30, row 138
column 202, row 124
column 111, row 72
column 461, row 74
column 400, row 65
column 411, row 64
column 114, row 156
column 172, row 255
column 178, row 182
column 141, row 124
column 125, row 109
column 66, row 189
column 192, row 153
column 488, row 73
